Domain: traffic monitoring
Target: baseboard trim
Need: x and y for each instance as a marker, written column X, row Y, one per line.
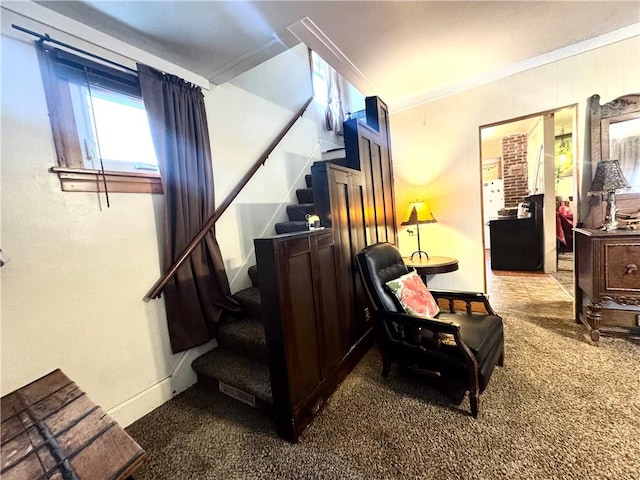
column 180, row 379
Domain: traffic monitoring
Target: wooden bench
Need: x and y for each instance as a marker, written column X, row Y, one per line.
column 51, row 429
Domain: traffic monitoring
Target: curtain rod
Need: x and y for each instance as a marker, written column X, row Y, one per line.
column 47, row 38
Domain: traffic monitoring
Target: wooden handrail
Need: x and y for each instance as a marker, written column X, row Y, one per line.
column 157, row 288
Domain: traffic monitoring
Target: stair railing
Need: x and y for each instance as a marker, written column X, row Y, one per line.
column 157, row 288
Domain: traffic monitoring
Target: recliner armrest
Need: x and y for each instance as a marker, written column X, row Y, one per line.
column 469, row 302
column 434, row 324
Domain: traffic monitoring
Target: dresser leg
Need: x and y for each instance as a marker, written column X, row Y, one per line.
column 593, row 317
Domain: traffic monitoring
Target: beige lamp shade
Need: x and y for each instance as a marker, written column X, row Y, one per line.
column 418, row 212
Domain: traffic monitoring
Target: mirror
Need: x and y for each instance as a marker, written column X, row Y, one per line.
column 624, row 145
column 615, row 135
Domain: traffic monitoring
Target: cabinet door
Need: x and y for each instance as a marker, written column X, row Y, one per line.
column 372, row 158
column 303, row 324
column 369, row 150
column 347, row 199
column 298, row 316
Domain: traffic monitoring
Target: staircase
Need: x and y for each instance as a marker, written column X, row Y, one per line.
column 297, row 213
column 239, row 366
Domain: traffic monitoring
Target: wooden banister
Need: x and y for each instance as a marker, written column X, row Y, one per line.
column 157, row 288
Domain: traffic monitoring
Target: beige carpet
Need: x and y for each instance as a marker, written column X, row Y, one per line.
column 564, row 275
column 560, row 408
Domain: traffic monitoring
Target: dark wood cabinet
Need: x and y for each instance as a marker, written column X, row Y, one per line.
column 341, row 204
column 314, row 309
column 607, row 278
column 517, row 244
column 369, row 151
column 305, row 322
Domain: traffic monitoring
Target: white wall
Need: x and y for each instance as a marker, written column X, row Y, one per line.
column 436, row 146
column 72, row 292
column 244, row 116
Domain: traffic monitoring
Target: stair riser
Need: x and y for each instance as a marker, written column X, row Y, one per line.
column 237, row 371
column 290, row 227
column 304, row 195
column 253, row 276
column 213, row 385
column 298, row 213
column 249, row 347
column 249, row 300
column 250, row 309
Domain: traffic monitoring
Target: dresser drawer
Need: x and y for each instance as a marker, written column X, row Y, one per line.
column 622, row 267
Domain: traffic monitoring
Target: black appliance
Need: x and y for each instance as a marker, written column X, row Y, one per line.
column 517, row 243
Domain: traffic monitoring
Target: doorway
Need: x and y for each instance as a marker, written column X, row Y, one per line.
column 529, row 194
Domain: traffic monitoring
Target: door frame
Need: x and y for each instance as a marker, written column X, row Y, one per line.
column 549, row 152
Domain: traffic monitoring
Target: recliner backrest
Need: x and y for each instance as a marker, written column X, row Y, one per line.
column 380, row 263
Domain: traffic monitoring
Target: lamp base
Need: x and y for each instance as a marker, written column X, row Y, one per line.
column 419, row 253
column 610, row 220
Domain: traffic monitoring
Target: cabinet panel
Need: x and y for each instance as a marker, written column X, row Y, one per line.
column 369, row 151
column 330, row 334
column 344, row 194
column 308, row 354
column 622, row 260
column 303, row 362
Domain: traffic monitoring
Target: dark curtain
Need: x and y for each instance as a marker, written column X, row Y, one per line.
column 198, row 296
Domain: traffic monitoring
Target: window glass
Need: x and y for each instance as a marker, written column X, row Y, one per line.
column 113, row 126
column 320, row 87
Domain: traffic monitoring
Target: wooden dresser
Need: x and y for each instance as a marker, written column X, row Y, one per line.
column 607, row 266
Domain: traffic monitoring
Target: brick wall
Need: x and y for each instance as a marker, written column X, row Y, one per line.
column 514, row 169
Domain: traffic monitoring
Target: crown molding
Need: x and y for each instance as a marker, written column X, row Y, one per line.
column 544, row 59
column 278, row 44
column 312, row 36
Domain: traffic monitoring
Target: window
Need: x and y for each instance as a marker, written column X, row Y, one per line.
column 327, row 92
column 319, row 70
column 99, row 126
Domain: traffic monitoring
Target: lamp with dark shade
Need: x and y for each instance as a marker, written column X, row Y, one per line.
column 417, row 214
column 607, row 179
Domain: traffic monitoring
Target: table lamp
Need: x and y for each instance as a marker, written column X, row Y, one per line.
column 607, row 179
column 418, row 213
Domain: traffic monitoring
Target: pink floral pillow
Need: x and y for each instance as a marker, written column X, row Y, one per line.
column 414, row 296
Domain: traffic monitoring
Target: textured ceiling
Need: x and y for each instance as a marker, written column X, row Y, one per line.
column 403, row 49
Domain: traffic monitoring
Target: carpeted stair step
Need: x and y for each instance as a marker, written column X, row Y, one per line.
column 245, row 337
column 253, row 275
column 247, row 378
column 290, row 227
column 308, row 179
column 338, row 161
column 334, row 153
column 298, row 213
column 249, row 300
column 304, row 195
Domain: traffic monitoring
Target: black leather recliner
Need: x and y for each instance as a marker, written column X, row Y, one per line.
column 463, row 344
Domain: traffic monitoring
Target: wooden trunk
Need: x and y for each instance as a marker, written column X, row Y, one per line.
column 51, row 429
